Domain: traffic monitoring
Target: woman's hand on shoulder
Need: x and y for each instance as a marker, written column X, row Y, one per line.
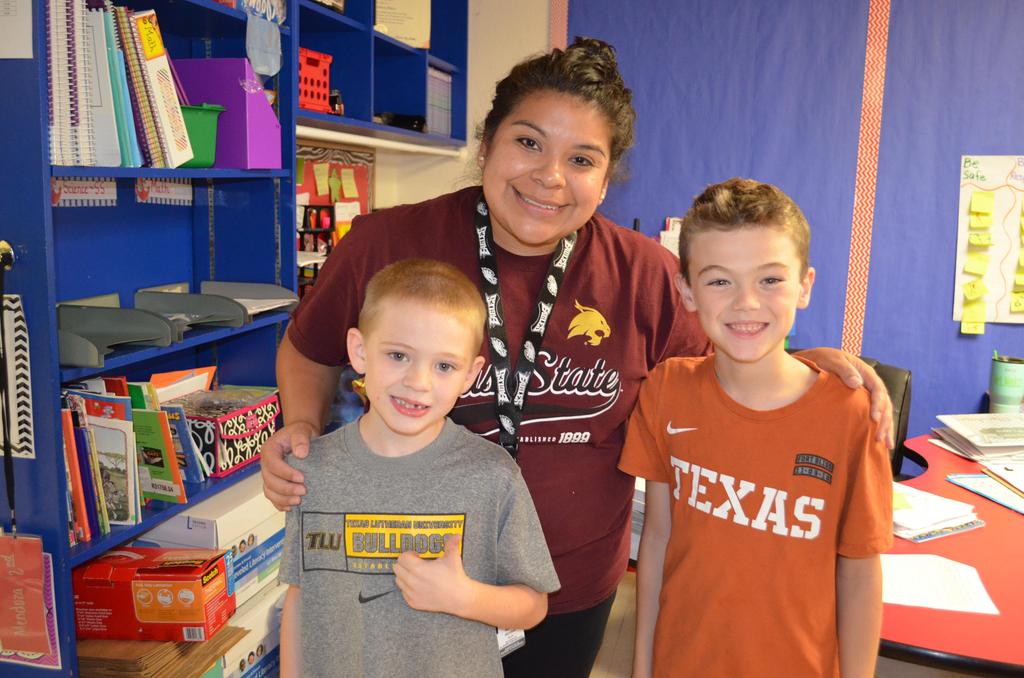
column 282, row 484
column 855, row 372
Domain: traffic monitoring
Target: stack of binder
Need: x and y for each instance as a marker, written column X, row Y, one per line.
column 111, row 95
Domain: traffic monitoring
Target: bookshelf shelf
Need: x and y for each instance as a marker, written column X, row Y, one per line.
column 240, row 226
column 441, row 64
column 376, row 130
column 387, row 44
column 314, row 17
column 198, row 18
column 199, row 336
column 160, row 173
column 375, row 73
column 155, row 513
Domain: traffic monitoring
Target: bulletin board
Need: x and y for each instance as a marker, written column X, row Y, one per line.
column 990, row 234
column 329, row 174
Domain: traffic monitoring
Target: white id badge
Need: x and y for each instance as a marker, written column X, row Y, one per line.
column 510, row 640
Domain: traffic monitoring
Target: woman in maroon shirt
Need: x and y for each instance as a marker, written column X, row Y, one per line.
column 578, row 306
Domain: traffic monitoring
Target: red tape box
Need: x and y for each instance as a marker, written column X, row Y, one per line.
column 135, row 593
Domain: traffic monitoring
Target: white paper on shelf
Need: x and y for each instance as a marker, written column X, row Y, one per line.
column 254, row 306
column 926, row 580
column 310, row 258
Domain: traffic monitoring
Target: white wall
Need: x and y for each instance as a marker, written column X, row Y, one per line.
column 501, row 33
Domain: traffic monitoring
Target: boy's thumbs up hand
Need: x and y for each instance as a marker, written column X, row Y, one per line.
column 438, row 585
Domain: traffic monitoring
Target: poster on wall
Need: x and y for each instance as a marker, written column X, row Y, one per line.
column 990, row 232
column 329, row 175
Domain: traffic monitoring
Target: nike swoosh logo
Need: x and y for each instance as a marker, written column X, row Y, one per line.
column 375, row 596
column 673, row 431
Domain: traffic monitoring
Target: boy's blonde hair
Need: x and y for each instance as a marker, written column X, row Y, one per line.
column 432, row 283
column 744, row 203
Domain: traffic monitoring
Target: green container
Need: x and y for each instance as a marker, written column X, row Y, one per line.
column 201, row 124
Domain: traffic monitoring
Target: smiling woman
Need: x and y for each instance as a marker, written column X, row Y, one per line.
column 578, row 311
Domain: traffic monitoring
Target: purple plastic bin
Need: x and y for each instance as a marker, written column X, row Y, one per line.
column 248, row 132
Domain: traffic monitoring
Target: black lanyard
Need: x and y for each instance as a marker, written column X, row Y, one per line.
column 509, row 404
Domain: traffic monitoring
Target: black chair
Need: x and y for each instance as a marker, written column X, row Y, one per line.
column 897, row 381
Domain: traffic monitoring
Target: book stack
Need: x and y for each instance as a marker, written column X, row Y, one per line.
column 123, row 447
column 439, row 102
column 111, row 95
column 69, row 93
column 984, row 437
column 921, row 516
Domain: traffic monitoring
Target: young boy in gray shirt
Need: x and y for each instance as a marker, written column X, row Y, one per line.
column 416, row 538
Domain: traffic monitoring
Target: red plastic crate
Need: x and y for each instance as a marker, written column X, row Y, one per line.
column 314, row 80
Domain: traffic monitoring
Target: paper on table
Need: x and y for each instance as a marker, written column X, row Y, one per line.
column 926, row 580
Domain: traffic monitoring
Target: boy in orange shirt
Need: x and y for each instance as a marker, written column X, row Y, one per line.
column 769, row 498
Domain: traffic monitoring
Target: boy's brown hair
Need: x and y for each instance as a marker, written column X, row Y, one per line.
column 744, row 203
column 431, row 283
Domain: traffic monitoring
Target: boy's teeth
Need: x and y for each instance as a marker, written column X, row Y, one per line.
column 406, row 403
column 747, row 327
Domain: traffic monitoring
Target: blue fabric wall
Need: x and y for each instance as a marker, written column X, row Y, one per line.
column 773, row 91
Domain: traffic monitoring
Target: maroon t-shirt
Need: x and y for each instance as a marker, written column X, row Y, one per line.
column 617, row 315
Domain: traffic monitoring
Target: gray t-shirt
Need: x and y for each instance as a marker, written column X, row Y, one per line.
column 362, row 510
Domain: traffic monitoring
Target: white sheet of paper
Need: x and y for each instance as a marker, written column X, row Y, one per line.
column 16, row 29
column 926, row 580
column 346, row 211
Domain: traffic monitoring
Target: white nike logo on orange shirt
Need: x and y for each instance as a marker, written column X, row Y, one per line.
column 673, row 431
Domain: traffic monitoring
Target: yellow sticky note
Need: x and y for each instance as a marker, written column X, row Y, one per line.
column 977, row 263
column 320, row 170
column 980, row 222
column 974, row 312
column 1017, row 302
column 980, row 239
column 982, row 202
column 348, row 183
column 972, row 328
column 300, row 169
column 975, row 289
column 899, row 500
column 1018, row 282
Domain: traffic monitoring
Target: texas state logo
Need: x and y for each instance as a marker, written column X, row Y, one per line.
column 589, row 323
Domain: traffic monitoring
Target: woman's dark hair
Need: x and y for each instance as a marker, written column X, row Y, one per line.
column 586, row 69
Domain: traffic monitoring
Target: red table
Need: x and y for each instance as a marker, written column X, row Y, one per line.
column 972, row 643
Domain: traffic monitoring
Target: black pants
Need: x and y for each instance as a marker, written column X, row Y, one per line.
column 561, row 646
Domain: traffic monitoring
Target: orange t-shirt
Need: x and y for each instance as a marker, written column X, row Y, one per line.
column 763, row 502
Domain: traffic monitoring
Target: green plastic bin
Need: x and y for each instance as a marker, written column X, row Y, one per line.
column 201, row 124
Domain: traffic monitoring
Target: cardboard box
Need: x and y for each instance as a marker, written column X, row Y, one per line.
column 239, row 519
column 257, row 654
column 248, row 131
column 136, row 593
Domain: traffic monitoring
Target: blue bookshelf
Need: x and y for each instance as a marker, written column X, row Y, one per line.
column 239, row 227
column 377, row 74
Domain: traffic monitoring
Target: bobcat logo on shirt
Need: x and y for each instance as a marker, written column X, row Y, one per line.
column 589, row 323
